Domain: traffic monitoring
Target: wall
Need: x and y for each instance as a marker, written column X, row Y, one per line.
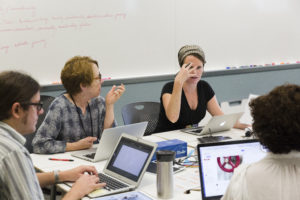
column 229, row 85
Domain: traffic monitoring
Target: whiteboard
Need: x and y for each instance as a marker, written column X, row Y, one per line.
column 239, row 33
column 136, row 38
column 129, row 38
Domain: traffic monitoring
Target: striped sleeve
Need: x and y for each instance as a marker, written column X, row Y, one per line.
column 18, row 178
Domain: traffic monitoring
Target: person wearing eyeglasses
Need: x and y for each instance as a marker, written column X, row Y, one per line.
column 20, row 107
column 276, row 124
column 77, row 118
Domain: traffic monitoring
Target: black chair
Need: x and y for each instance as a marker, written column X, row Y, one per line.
column 29, row 137
column 142, row 111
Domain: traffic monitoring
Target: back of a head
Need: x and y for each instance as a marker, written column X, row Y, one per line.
column 15, row 87
column 276, row 118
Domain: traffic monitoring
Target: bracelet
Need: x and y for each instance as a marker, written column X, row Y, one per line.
column 56, row 176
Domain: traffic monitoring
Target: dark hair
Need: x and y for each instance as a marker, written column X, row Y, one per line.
column 15, row 87
column 78, row 70
column 276, row 118
column 195, row 55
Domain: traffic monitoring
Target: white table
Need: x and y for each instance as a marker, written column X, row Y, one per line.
column 187, row 179
column 192, row 140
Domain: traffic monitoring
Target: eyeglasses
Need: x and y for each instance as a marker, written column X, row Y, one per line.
column 38, row 105
column 99, row 77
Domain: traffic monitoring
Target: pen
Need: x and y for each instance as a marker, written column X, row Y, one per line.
column 60, row 159
column 186, row 160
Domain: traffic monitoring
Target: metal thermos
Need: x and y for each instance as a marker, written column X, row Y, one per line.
column 164, row 180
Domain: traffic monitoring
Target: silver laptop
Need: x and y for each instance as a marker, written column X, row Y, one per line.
column 217, row 162
column 124, row 172
column 108, row 141
column 215, row 124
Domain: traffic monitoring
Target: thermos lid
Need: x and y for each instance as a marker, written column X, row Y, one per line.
column 165, row 155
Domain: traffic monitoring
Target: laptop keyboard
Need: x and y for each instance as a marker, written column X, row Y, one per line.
column 111, row 184
column 90, row 155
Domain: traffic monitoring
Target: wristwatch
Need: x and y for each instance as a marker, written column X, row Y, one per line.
column 56, row 176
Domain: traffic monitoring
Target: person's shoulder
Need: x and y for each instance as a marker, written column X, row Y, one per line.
column 240, row 172
column 167, row 88
column 169, row 84
column 241, row 168
column 98, row 100
column 203, row 83
column 255, row 169
column 8, row 145
column 61, row 99
column 205, row 86
column 59, row 102
column 235, row 188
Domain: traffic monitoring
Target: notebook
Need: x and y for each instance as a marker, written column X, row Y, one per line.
column 124, row 172
column 108, row 141
column 217, row 162
column 215, row 124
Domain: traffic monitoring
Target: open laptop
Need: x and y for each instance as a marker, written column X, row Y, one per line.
column 123, row 171
column 215, row 124
column 108, row 141
column 217, row 162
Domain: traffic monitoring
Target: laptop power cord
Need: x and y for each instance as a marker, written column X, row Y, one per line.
column 193, row 189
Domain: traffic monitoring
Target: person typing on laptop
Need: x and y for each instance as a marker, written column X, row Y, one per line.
column 185, row 100
column 75, row 119
column 277, row 127
column 19, row 109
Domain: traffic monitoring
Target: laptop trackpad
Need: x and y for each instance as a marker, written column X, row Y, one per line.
column 197, row 130
column 209, row 139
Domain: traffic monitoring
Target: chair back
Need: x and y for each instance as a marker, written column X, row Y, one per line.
column 47, row 100
column 142, row 111
column 234, row 106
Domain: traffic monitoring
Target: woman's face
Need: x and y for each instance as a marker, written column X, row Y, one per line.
column 95, row 88
column 197, row 68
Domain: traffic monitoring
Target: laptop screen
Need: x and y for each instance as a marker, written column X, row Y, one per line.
column 217, row 162
column 129, row 158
